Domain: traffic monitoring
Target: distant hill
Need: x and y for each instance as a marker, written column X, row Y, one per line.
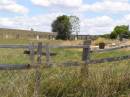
column 16, row 33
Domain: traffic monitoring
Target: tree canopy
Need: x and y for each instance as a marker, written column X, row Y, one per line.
column 62, row 26
column 120, row 31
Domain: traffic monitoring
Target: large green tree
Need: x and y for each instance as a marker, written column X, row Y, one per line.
column 62, row 27
column 121, row 31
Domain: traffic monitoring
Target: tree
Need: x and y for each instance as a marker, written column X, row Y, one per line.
column 121, row 31
column 75, row 24
column 62, row 26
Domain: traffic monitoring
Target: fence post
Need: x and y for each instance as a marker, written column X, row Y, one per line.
column 38, row 73
column 47, row 55
column 85, row 58
column 32, row 57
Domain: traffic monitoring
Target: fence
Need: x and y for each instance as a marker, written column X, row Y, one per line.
column 35, row 67
column 14, row 72
column 85, row 55
column 15, row 78
column 87, row 52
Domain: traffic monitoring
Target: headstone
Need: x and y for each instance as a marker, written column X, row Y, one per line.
column 6, row 36
column 38, row 37
column 76, row 38
column 53, row 38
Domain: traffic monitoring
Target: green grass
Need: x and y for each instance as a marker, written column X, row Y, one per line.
column 114, row 53
column 104, row 80
column 110, row 81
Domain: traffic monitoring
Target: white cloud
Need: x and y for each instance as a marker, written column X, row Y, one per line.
column 96, row 25
column 116, row 0
column 88, row 25
column 12, row 6
column 6, row 22
column 39, row 22
column 110, row 6
column 47, row 3
column 98, row 21
column 127, row 17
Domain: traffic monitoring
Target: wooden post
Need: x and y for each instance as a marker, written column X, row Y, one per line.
column 85, row 58
column 47, row 55
column 32, row 54
column 38, row 74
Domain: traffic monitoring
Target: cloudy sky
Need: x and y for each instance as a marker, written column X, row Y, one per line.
column 96, row 16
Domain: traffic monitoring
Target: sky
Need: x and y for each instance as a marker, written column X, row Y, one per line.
column 96, row 16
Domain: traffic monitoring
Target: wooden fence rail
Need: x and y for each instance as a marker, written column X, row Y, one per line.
column 74, row 46
column 14, row 67
column 43, row 46
column 32, row 53
column 86, row 53
column 86, row 50
column 85, row 59
column 112, row 59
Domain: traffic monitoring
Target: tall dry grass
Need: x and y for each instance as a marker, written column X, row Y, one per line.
column 105, row 81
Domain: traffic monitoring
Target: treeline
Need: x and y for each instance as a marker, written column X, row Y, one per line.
column 121, row 31
column 118, row 32
column 64, row 28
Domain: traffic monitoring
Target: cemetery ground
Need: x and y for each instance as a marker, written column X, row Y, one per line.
column 111, row 79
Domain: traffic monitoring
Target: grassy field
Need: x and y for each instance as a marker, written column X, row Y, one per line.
column 104, row 80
